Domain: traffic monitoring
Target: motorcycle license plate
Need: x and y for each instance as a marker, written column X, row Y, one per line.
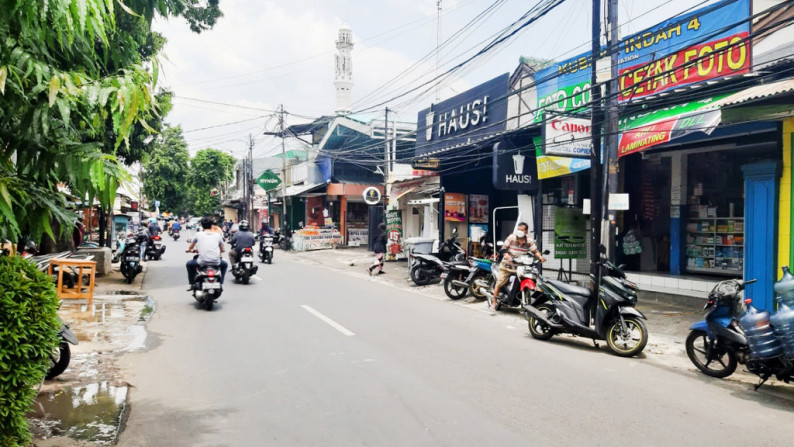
column 211, row 285
column 133, row 258
column 247, row 259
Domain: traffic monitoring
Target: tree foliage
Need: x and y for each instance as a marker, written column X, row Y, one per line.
column 166, row 169
column 77, row 83
column 209, row 169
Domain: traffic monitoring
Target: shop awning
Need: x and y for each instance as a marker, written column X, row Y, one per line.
column 643, row 131
column 295, row 190
column 423, row 186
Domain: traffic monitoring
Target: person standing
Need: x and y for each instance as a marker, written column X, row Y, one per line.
column 379, row 247
column 517, row 244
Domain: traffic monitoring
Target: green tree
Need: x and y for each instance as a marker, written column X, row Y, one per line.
column 209, row 169
column 165, row 171
column 77, row 78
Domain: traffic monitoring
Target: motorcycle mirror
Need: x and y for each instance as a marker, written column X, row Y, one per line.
column 499, row 243
column 622, row 266
column 546, row 252
column 454, row 230
column 602, row 249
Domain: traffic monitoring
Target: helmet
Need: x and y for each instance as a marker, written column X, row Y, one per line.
column 244, row 225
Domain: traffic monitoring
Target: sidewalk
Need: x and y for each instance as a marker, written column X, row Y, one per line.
column 89, row 401
column 668, row 322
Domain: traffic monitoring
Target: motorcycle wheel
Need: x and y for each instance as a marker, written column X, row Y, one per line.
column 538, row 329
column 130, row 278
column 631, row 345
column 208, row 303
column 419, row 276
column 270, row 259
column 478, row 291
column 698, row 351
column 454, row 292
column 245, row 279
column 59, row 360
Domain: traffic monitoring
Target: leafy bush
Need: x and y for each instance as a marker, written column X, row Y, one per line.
column 28, row 335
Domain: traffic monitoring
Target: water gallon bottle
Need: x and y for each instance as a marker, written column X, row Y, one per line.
column 783, row 324
column 760, row 337
column 784, row 289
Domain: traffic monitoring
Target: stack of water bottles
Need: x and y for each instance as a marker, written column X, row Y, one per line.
column 783, row 320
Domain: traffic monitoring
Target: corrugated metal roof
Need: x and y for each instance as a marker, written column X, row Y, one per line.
column 754, row 93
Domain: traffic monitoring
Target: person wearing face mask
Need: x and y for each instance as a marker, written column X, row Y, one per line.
column 517, row 244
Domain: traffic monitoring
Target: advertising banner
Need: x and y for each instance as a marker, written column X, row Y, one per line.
column 640, row 132
column 564, row 135
column 565, row 86
column 549, row 167
column 478, row 208
column 570, row 234
column 514, row 168
column 394, row 229
column 268, row 180
column 454, row 207
column 693, row 48
column 463, row 119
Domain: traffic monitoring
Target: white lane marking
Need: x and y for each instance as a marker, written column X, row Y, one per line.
column 256, row 278
column 330, row 322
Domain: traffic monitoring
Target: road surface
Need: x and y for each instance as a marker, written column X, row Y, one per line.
column 310, row 357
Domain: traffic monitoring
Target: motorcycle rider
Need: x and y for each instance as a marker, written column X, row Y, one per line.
column 265, row 229
column 154, row 228
column 209, row 245
column 176, row 226
column 241, row 240
column 517, row 244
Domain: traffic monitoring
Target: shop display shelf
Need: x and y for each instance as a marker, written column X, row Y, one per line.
column 715, row 271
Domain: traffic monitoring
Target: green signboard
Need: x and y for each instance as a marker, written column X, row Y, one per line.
column 268, row 180
column 570, row 234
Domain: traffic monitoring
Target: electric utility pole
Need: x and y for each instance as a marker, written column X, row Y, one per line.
column 595, row 154
column 250, row 179
column 283, row 171
column 610, row 171
column 385, row 158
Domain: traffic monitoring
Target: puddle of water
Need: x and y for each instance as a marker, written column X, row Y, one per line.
column 92, row 412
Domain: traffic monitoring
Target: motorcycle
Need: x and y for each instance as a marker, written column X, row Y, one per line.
column 130, row 259
column 558, row 307
column 155, row 248
column 427, row 268
column 59, row 360
column 175, row 234
column 244, row 268
column 266, row 243
column 461, row 279
column 734, row 332
column 517, row 292
column 207, row 287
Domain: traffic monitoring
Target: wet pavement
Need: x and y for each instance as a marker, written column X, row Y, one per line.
column 87, row 404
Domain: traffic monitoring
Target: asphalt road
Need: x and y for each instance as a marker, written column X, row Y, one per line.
column 310, row 357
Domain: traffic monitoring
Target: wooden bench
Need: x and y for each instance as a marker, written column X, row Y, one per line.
column 82, row 268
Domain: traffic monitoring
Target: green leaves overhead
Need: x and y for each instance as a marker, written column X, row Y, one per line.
column 78, row 81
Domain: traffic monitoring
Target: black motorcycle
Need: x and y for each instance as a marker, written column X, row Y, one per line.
column 428, row 268
column 130, row 259
column 610, row 315
column 207, row 287
column 175, row 234
column 59, row 360
column 266, row 244
column 154, row 248
column 244, row 267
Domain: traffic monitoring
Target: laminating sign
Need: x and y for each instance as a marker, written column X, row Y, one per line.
column 565, row 135
column 463, row 119
column 514, row 168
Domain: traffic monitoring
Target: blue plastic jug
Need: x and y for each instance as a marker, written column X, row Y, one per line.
column 760, row 336
column 783, row 325
column 784, row 289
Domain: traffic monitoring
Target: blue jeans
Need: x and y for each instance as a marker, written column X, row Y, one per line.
column 193, row 264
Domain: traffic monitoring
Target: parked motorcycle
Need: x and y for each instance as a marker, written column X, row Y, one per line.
column 244, row 268
column 207, row 287
column 733, row 332
column 59, row 360
column 427, row 268
column 266, row 243
column 559, row 307
column 130, row 258
column 461, row 278
column 155, row 248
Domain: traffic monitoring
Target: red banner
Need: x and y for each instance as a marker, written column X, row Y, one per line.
column 644, row 137
column 726, row 56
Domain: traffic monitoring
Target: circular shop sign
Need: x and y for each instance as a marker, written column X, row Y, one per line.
column 371, row 195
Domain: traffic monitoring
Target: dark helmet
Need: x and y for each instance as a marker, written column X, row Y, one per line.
column 244, row 226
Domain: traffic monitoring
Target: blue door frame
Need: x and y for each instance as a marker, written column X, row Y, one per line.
column 760, row 229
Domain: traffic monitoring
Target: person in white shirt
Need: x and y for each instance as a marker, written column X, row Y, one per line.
column 209, row 245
